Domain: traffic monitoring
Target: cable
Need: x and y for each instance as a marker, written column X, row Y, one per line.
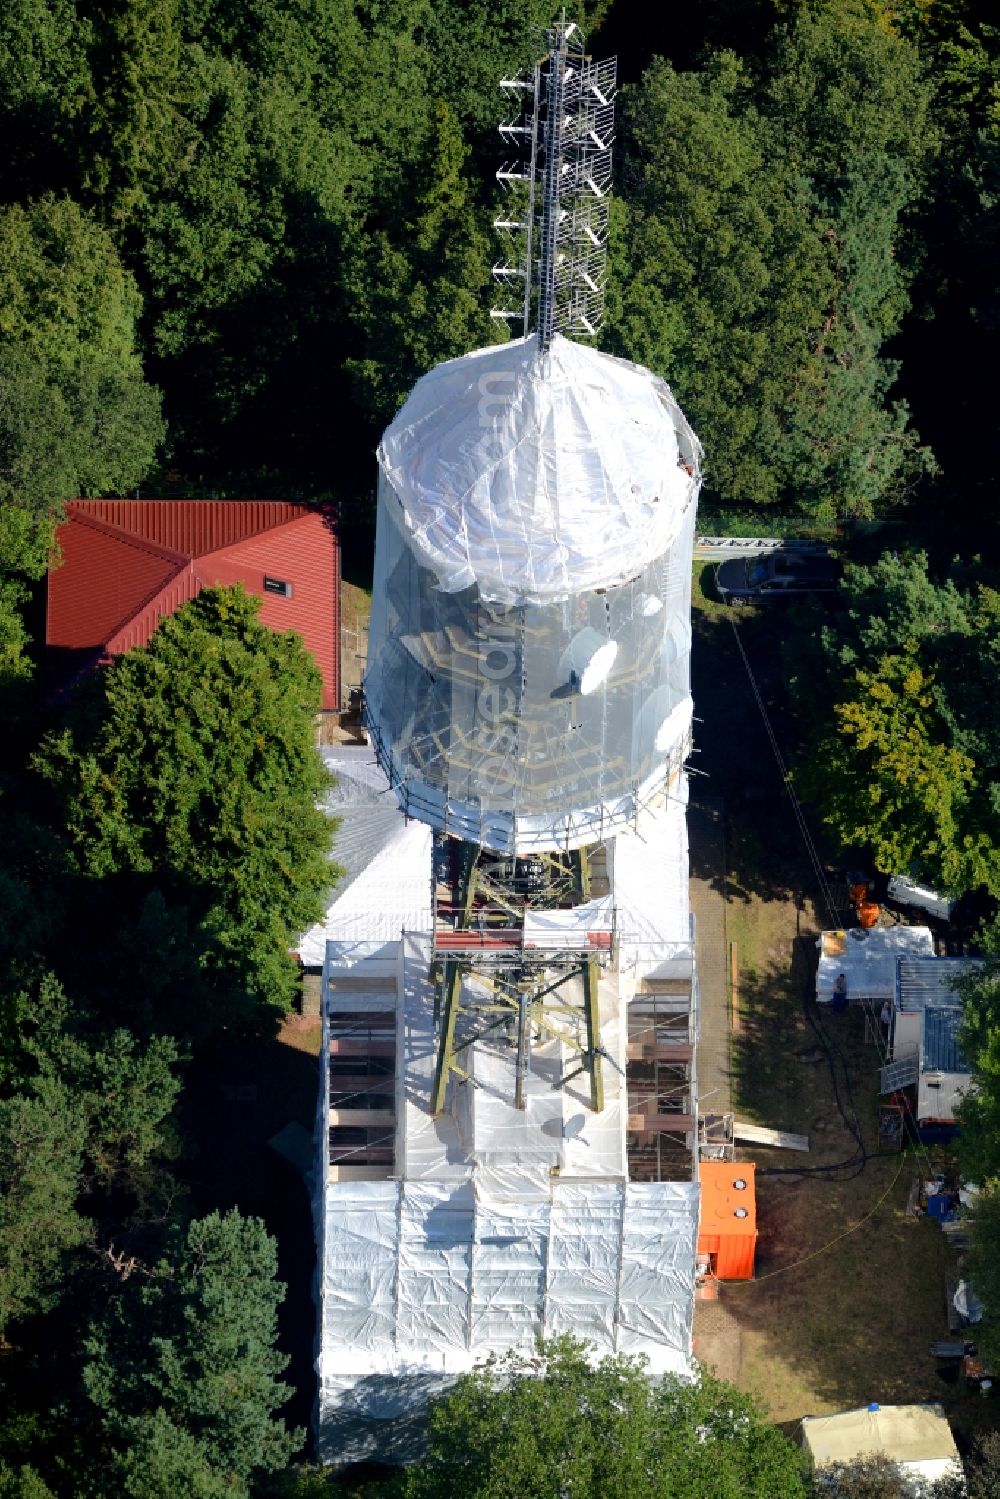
column 858, row 1160
column 741, row 1285
column 807, row 838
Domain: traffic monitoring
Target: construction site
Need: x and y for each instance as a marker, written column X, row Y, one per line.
column 508, row 1132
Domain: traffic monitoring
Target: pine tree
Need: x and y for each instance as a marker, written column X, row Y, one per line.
column 184, row 1369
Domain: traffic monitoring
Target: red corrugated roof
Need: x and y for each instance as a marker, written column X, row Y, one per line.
column 127, row 563
column 191, row 527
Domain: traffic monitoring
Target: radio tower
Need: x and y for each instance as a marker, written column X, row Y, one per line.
column 560, row 187
column 525, row 1159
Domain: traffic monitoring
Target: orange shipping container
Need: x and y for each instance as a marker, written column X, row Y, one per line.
column 727, row 1228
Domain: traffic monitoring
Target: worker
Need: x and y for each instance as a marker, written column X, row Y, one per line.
column 840, row 994
column 885, row 1019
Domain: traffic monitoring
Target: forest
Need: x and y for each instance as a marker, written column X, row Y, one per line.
column 231, row 238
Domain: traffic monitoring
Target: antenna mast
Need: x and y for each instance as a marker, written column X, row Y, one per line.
column 559, row 234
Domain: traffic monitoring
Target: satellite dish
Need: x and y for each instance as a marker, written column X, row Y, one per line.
column 587, row 661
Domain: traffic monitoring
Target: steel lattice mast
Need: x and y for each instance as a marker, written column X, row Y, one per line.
column 558, row 237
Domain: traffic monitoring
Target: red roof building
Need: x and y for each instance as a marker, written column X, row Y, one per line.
column 127, row 563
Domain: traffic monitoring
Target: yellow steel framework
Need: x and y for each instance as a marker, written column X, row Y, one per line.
column 517, row 993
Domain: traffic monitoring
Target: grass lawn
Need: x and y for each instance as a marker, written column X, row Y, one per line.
column 849, row 1292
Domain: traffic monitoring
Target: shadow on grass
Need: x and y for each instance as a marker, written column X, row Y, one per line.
column 736, row 760
column 849, row 1291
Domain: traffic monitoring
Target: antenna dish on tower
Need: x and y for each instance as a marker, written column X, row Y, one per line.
column 558, row 232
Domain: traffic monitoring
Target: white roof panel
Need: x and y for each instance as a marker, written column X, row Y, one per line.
column 867, row 959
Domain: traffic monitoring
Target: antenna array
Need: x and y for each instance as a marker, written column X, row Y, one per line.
column 557, row 222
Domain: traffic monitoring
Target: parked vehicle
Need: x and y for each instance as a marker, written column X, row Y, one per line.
column 907, row 892
column 779, row 575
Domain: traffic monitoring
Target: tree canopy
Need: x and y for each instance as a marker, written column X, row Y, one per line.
column 184, row 1370
column 76, row 414
column 278, row 216
column 532, row 1428
column 189, row 765
column 762, row 265
column 901, row 692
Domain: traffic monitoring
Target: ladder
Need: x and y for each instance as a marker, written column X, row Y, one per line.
column 899, row 1073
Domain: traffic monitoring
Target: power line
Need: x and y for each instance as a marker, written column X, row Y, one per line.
column 857, row 1162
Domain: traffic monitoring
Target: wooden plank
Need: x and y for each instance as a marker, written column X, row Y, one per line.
column 359, row 1173
column 361, row 1155
column 641, row 1051
column 362, row 1118
column 351, row 1046
column 363, row 1082
column 372, row 1020
column 660, row 1124
column 757, row 1134
column 734, row 980
column 349, row 984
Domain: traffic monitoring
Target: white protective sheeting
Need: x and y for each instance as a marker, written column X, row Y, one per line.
column 538, row 479
column 422, row 1281
column 500, row 1225
column 650, row 878
column 867, row 959
column 553, row 930
column 393, row 897
column 510, row 726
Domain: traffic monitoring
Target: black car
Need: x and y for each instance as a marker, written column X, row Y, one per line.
column 778, row 575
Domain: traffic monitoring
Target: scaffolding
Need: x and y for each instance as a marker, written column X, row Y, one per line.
column 660, row 1081
column 494, row 983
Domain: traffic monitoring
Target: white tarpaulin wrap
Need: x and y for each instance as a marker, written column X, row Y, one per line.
column 650, row 873
column 502, row 1224
column 422, row 1282
column 359, row 1279
column 556, row 929
column 538, row 480
column 527, row 689
column 533, row 725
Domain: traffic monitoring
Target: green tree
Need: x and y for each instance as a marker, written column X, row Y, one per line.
column 22, row 1483
column 419, row 291
column 979, row 1111
column 868, row 1477
column 982, row 1264
column 41, row 1176
column 76, row 416
column 125, row 1091
column 886, row 777
column 46, row 84
column 982, row 1467
column 898, row 696
column 759, row 265
column 850, row 100
column 556, row 1424
column 719, row 279
column 190, row 765
column 184, row 1370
